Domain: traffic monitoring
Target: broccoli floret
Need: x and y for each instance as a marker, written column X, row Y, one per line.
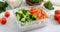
column 33, row 17
column 23, row 20
column 28, row 19
column 21, row 16
column 24, row 11
column 20, row 12
column 18, row 16
column 29, row 15
column 16, row 13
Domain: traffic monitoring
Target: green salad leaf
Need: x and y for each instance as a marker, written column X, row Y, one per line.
column 48, row 5
column 3, row 6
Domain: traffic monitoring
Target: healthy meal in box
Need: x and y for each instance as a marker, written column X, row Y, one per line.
column 33, row 14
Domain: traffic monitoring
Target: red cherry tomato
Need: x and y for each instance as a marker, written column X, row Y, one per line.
column 32, row 10
column 57, row 12
column 56, row 16
column 3, row 20
column 59, row 20
column 7, row 14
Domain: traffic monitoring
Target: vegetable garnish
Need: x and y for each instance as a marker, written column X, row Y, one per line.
column 3, row 6
column 39, row 13
column 48, row 5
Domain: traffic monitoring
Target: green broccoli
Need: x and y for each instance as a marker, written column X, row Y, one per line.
column 20, row 12
column 28, row 19
column 23, row 20
column 18, row 16
column 24, row 11
column 33, row 17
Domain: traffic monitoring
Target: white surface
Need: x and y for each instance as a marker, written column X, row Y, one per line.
column 11, row 25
